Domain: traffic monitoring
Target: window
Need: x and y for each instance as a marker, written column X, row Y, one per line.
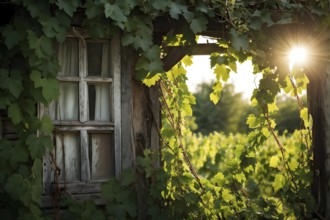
column 86, row 116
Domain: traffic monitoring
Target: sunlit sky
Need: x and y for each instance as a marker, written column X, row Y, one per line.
column 244, row 80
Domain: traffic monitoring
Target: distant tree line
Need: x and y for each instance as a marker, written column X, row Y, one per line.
column 231, row 112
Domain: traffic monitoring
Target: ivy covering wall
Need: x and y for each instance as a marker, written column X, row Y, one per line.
column 259, row 30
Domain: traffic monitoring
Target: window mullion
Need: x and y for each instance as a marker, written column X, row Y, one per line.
column 85, row 166
column 116, row 65
column 83, row 106
column 83, row 96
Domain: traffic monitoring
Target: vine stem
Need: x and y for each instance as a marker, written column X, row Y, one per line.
column 185, row 155
column 282, row 151
column 286, row 164
column 301, row 106
column 177, row 130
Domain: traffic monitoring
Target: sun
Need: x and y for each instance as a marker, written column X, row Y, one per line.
column 297, row 56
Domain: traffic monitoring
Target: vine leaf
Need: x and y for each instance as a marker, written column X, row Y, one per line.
column 46, row 125
column 13, row 185
column 42, row 46
column 176, row 9
column 278, row 182
column 14, row 112
column 198, row 24
column 12, row 36
column 115, row 13
column 159, row 4
column 239, row 42
column 49, row 87
column 12, row 83
column 37, row 146
column 226, row 195
column 273, row 162
column 68, row 6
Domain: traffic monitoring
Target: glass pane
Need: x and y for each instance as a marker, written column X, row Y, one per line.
column 101, row 156
column 67, row 105
column 99, row 102
column 68, row 156
column 98, row 59
column 68, row 56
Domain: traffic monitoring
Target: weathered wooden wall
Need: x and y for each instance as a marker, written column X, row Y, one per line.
column 319, row 107
column 140, row 123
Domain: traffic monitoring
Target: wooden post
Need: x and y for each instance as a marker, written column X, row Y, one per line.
column 319, row 107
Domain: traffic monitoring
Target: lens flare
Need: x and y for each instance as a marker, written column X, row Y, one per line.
column 297, row 56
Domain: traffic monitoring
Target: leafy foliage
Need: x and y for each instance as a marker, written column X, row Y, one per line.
column 28, row 76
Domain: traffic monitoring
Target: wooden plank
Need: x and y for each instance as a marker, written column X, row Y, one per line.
column 176, row 53
column 128, row 148
column 68, row 78
column 86, row 128
column 47, row 173
column 101, row 156
column 116, row 69
column 84, row 155
column 98, row 79
column 78, row 123
column 198, row 49
column 68, row 156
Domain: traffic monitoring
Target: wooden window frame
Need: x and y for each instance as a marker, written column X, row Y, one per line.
column 87, row 188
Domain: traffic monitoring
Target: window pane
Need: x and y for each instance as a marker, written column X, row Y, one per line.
column 98, row 59
column 68, row 156
column 68, row 56
column 99, row 102
column 101, row 154
column 67, row 105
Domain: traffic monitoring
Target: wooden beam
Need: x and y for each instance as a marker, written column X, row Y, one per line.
column 176, row 53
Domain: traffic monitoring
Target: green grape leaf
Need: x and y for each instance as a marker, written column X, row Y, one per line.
column 305, row 117
column 152, row 80
column 50, row 89
column 14, row 112
column 238, row 41
column 46, row 126
column 159, row 4
column 252, row 121
column 12, row 36
column 214, row 98
column 127, row 178
column 42, row 46
column 176, row 9
column 68, row 6
column 219, row 179
column 221, row 72
column 278, row 182
column 92, row 9
column 226, row 195
column 11, row 82
column 15, row 186
column 274, row 161
column 293, row 164
column 240, row 177
column 37, row 145
column 198, row 24
column 114, row 12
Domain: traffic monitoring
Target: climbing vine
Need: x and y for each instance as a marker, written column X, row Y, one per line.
column 253, row 30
